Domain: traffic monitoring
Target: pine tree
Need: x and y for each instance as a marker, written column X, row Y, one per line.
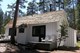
column 70, row 9
column 78, row 13
column 1, row 1
column 32, row 8
column 21, row 6
column 1, row 20
column 6, row 18
column 43, row 6
column 50, row 5
column 14, row 23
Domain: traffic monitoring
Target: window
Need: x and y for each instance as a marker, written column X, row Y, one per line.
column 38, row 31
column 11, row 31
column 21, row 30
column 35, row 31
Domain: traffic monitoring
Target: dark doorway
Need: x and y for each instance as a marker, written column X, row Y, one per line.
column 39, row 31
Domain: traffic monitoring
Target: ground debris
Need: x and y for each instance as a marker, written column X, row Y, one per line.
column 8, row 48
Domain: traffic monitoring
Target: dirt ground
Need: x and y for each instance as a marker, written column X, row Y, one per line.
column 69, row 50
column 8, row 48
column 59, row 51
column 55, row 51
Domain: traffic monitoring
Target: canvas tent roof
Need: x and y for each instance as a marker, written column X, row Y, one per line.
column 41, row 18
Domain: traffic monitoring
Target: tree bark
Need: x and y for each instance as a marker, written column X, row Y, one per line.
column 59, row 4
column 50, row 7
column 74, row 19
column 43, row 6
column 14, row 23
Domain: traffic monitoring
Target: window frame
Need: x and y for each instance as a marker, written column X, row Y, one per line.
column 21, row 30
column 38, row 31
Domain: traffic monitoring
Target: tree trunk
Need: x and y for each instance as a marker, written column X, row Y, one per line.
column 14, row 23
column 43, row 6
column 59, row 4
column 54, row 5
column 74, row 19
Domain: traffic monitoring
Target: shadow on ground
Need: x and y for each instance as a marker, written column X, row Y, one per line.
column 32, row 51
column 73, row 49
column 22, row 50
column 9, row 48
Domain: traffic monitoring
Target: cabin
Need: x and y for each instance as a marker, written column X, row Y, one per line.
column 43, row 29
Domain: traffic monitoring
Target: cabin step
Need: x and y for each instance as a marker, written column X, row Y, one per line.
column 30, row 46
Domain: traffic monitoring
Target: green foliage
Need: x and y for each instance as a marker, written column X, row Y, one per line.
column 3, row 30
column 1, row 20
column 32, row 8
column 64, row 32
column 41, row 5
column 21, row 6
column 0, row 1
column 64, row 28
column 78, row 16
column 78, row 44
column 72, row 18
column 72, row 14
column 66, row 2
column 6, row 20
